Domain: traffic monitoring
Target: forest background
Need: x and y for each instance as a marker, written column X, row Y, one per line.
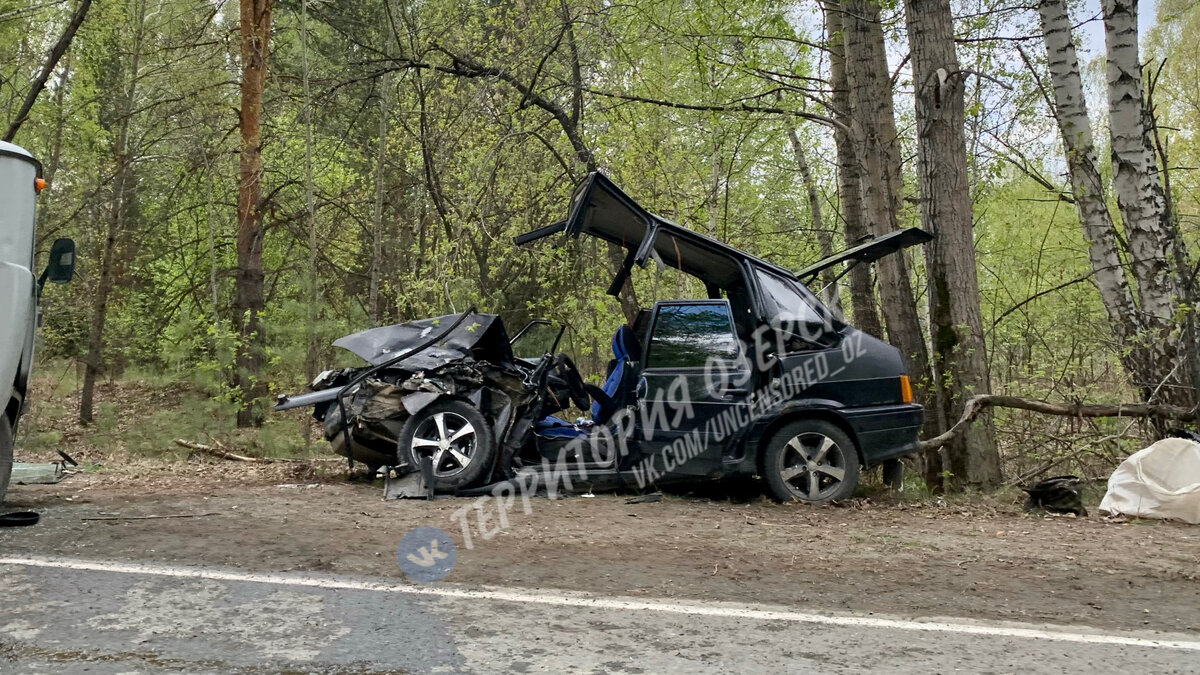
column 249, row 181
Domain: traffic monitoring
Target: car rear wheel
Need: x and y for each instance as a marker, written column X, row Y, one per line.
column 6, row 455
column 458, row 438
column 811, row 461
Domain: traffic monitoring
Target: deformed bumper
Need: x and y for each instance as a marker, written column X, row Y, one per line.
column 887, row 431
column 302, row 400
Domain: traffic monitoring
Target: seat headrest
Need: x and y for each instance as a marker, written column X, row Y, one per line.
column 625, row 345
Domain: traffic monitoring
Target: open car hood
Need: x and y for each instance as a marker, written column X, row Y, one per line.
column 481, row 337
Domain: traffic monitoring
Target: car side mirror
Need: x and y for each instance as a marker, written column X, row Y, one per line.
column 61, row 267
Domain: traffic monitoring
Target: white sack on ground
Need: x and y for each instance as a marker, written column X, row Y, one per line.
column 1161, row 481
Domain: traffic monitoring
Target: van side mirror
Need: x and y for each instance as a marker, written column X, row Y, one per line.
column 61, row 267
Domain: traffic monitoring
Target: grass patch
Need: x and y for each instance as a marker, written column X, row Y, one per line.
column 143, row 413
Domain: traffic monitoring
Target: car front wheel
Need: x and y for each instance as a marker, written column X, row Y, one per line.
column 811, row 461
column 457, row 438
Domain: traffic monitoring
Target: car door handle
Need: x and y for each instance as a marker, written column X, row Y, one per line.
column 730, row 394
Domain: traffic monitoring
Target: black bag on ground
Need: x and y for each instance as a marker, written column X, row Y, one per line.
column 1057, row 495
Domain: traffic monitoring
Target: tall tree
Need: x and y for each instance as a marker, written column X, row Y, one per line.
column 877, row 153
column 829, row 287
column 1087, row 187
column 1158, row 354
column 959, row 351
column 52, row 57
column 381, row 158
column 122, row 194
column 863, row 305
column 313, row 283
column 255, row 29
column 1140, row 199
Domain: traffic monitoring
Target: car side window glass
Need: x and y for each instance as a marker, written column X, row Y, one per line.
column 685, row 336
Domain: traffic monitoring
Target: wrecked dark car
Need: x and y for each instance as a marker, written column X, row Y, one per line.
column 757, row 379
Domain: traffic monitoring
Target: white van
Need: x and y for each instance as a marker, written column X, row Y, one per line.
column 20, row 181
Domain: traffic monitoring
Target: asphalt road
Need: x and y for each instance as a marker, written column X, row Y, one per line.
column 65, row 615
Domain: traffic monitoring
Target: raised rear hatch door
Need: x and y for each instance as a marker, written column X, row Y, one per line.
column 869, row 251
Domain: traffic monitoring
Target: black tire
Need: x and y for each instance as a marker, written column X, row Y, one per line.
column 476, row 445
column 811, row 461
column 6, row 455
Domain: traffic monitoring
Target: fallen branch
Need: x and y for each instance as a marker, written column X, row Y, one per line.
column 222, row 454
column 170, row 515
column 976, row 404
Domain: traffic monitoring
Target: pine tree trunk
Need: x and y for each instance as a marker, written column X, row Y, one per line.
column 863, row 306
column 960, row 359
column 255, row 30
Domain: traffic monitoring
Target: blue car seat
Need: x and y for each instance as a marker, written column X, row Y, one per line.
column 621, row 370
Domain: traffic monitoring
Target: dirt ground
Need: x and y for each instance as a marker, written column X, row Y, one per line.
column 903, row 558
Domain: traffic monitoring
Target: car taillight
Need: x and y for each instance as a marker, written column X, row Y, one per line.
column 905, row 390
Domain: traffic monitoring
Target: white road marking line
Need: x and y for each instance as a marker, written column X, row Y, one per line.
column 583, row 600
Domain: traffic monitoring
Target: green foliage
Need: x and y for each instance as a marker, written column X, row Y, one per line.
column 469, row 161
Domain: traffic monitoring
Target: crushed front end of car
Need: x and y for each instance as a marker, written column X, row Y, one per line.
column 444, row 391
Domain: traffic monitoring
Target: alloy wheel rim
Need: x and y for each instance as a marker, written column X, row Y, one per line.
column 812, row 465
column 452, row 440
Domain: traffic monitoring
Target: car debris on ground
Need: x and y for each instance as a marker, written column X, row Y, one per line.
column 25, row 473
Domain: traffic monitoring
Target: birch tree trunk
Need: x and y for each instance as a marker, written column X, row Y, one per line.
column 1141, row 206
column 960, row 359
column 1185, row 280
column 1087, row 187
column 829, row 289
column 863, row 305
column 1141, row 203
column 60, row 121
column 255, row 27
column 877, row 151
